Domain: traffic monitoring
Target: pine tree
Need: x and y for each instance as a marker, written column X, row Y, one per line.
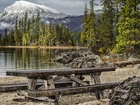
column 49, row 37
column 57, row 34
column 42, row 34
column 17, row 35
column 91, row 36
column 25, row 22
column 11, row 38
column 33, row 30
column 107, row 26
column 0, row 39
column 6, row 37
column 29, row 31
column 37, row 28
column 128, row 39
column 65, row 35
column 85, row 28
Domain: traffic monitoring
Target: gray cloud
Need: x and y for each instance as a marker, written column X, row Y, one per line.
column 4, row 25
column 71, row 7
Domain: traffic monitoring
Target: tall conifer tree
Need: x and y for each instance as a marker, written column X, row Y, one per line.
column 128, row 39
column 91, row 36
column 107, row 26
column 85, row 26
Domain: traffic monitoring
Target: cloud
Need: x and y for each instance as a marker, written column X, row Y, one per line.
column 4, row 25
column 71, row 7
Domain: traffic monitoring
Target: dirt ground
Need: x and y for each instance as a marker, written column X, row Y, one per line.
column 11, row 98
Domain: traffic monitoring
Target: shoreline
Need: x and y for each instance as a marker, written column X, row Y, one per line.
column 47, row 47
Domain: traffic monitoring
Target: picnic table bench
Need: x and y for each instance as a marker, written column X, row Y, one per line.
column 74, row 74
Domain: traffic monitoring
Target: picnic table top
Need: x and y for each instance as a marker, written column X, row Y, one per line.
column 64, row 71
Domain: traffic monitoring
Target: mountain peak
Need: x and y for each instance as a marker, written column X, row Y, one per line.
column 19, row 8
column 28, row 5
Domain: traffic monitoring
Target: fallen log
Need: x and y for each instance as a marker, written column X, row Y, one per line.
column 125, row 63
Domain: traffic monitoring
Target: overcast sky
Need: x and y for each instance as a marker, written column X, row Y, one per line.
column 70, row 7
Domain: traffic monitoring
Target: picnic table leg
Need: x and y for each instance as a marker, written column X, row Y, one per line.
column 32, row 83
column 31, row 86
column 49, row 84
column 96, row 79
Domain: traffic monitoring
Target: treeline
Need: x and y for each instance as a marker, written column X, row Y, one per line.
column 117, row 29
column 35, row 32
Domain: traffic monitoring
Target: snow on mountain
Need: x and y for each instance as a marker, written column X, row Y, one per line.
column 47, row 14
column 19, row 8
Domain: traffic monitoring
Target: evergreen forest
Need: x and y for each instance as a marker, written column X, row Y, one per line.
column 116, row 28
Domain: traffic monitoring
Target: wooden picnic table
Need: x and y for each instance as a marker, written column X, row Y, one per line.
column 74, row 74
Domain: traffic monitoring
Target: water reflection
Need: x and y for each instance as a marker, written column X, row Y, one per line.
column 27, row 59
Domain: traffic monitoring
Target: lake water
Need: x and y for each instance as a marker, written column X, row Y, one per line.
column 27, row 59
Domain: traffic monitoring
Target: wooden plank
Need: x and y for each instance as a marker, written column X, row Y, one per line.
column 74, row 83
column 32, row 83
column 80, row 77
column 96, row 79
column 77, row 80
column 23, row 86
column 71, row 90
column 13, row 87
column 49, row 83
column 66, row 71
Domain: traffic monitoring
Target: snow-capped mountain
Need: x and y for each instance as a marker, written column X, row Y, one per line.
column 19, row 8
column 47, row 14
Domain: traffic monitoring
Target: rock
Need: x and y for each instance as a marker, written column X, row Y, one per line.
column 79, row 59
column 132, row 59
column 137, row 66
column 127, row 93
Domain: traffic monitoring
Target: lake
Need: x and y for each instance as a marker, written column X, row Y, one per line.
column 27, row 59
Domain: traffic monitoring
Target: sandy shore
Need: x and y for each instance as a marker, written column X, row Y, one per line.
column 11, row 98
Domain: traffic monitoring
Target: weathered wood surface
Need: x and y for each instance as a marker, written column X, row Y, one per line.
column 16, row 86
column 67, row 71
column 77, row 80
column 23, row 86
column 72, row 90
column 49, row 83
column 32, row 83
column 95, row 77
column 125, row 63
